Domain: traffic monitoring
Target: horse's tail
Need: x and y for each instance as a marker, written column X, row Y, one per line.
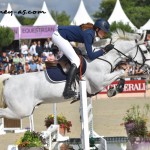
column 2, row 79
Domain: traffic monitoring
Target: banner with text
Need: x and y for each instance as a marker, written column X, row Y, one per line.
column 16, row 32
column 131, row 86
column 36, row 32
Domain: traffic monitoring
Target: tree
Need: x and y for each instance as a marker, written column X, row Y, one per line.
column 105, row 9
column 122, row 26
column 61, row 18
column 26, row 20
column 138, row 11
column 6, row 36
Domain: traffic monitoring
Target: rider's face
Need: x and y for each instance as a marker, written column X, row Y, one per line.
column 101, row 34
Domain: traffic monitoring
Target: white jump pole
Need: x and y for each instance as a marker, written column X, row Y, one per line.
column 84, row 116
column 31, row 120
column 90, row 116
column 55, row 113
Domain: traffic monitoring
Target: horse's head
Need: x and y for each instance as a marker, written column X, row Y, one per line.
column 131, row 45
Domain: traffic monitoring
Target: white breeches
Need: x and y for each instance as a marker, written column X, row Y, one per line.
column 66, row 48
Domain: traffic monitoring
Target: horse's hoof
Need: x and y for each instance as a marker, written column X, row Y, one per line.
column 74, row 101
column 111, row 92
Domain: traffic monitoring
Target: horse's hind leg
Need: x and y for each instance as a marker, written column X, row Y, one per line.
column 7, row 113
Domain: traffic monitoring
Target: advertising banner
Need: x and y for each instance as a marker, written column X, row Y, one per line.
column 131, row 86
column 36, row 32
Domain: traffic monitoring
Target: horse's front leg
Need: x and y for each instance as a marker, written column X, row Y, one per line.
column 109, row 78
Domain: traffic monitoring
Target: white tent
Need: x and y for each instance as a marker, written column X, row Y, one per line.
column 81, row 16
column 44, row 18
column 146, row 26
column 9, row 20
column 119, row 15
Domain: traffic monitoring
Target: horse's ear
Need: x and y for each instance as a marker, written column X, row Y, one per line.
column 141, row 41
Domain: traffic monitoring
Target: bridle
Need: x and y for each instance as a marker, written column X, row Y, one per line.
column 132, row 59
column 128, row 57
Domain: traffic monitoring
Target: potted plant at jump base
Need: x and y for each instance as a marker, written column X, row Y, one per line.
column 129, row 120
column 62, row 121
column 64, row 125
column 135, row 123
column 31, row 141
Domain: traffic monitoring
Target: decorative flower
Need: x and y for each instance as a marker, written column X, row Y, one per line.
column 135, row 121
column 61, row 120
column 31, row 139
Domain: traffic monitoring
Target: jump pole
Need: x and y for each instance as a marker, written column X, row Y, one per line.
column 84, row 116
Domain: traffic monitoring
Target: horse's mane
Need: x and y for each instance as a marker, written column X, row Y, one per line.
column 120, row 34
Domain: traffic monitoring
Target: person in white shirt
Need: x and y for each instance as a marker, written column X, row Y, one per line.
column 22, row 59
column 33, row 48
column 40, row 66
column 24, row 49
column 49, row 40
column 29, row 58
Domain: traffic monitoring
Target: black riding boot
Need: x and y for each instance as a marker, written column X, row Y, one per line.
column 68, row 92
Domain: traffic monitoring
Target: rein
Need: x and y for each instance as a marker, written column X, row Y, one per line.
column 108, row 63
column 138, row 49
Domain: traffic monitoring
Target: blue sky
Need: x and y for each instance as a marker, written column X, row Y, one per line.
column 70, row 6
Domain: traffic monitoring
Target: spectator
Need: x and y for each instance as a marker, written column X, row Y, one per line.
column 12, row 69
column 1, row 57
column 50, row 57
column 35, row 58
column 55, row 50
column 1, row 68
column 27, row 67
column 49, row 40
column 139, row 71
column 132, row 68
column 148, row 42
column 43, row 57
column 33, row 66
column 16, row 60
column 24, row 49
column 29, row 58
column 40, row 66
column 20, row 67
column 5, row 61
column 32, row 50
column 46, row 47
column 11, row 54
column 22, row 59
column 39, row 48
column 21, row 71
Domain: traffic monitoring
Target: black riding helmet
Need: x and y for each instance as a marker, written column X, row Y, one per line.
column 102, row 24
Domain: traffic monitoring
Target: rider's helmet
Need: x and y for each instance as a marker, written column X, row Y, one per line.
column 102, row 24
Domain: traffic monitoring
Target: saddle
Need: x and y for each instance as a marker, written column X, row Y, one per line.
column 57, row 70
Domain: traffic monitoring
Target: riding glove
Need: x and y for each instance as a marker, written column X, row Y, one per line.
column 108, row 47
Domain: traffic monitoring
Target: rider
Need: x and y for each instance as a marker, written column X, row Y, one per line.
column 86, row 34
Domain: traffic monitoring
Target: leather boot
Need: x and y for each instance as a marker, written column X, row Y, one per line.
column 68, row 92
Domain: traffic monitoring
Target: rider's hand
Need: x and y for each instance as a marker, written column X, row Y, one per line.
column 108, row 47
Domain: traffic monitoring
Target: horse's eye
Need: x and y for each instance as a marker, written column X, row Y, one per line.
column 144, row 52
